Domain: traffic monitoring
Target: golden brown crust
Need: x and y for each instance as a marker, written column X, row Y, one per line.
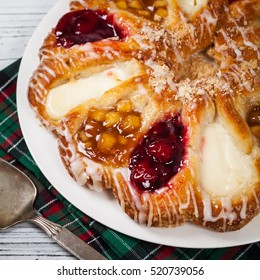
column 245, row 203
column 223, row 92
column 151, row 41
column 236, row 46
column 60, row 69
column 75, row 161
column 226, row 108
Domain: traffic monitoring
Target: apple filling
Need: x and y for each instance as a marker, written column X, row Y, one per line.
column 109, row 135
column 151, row 9
column 191, row 7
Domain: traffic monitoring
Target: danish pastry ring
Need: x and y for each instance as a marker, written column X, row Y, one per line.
column 160, row 102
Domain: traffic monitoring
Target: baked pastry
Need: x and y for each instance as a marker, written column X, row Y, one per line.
column 217, row 183
column 236, row 46
column 170, row 116
column 93, row 34
column 84, row 43
column 237, row 51
column 98, row 135
column 191, row 24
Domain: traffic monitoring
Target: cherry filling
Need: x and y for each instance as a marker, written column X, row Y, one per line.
column 84, row 26
column 232, row 1
column 159, row 156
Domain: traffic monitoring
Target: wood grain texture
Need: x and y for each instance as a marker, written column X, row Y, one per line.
column 18, row 20
column 25, row 241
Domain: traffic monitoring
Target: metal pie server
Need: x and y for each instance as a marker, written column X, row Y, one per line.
column 17, row 196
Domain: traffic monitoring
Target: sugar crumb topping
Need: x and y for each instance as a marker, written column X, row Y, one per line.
column 195, row 75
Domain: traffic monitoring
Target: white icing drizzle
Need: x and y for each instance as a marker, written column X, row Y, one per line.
column 240, row 9
column 256, row 198
column 146, row 196
column 159, row 213
column 196, row 211
column 241, row 68
column 143, row 205
column 44, row 77
column 36, row 84
column 88, row 48
column 56, row 61
column 247, row 42
column 231, row 44
column 168, row 212
column 120, row 194
column 244, row 207
column 139, row 207
column 134, row 199
column 183, row 205
column 209, row 20
column 227, row 212
column 176, row 217
column 177, row 52
column 49, row 70
column 56, row 53
column 80, row 166
column 239, row 76
column 193, row 40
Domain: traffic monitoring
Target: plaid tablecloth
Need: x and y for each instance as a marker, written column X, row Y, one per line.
column 53, row 206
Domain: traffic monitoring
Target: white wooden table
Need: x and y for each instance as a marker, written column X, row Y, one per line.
column 18, row 19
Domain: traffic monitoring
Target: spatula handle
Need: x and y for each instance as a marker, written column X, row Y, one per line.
column 66, row 239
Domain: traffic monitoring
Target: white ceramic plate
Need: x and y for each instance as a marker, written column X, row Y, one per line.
column 102, row 206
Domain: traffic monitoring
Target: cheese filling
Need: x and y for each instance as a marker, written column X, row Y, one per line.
column 63, row 98
column 224, row 168
column 191, row 7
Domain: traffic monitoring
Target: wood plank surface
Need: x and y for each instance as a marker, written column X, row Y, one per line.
column 18, row 20
column 24, row 241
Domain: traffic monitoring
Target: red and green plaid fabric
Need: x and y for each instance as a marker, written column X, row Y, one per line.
column 53, row 206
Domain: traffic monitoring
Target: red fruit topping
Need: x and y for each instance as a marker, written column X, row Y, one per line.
column 160, row 128
column 159, row 155
column 162, row 150
column 144, row 174
column 83, row 26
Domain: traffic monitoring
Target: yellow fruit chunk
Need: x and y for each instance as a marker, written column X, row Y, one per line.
column 144, row 13
column 112, row 118
column 87, row 145
column 124, row 106
column 160, row 3
column 122, row 5
column 82, row 136
column 97, row 115
column 162, row 12
column 130, row 123
column 256, row 130
column 106, row 142
column 122, row 140
column 135, row 5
